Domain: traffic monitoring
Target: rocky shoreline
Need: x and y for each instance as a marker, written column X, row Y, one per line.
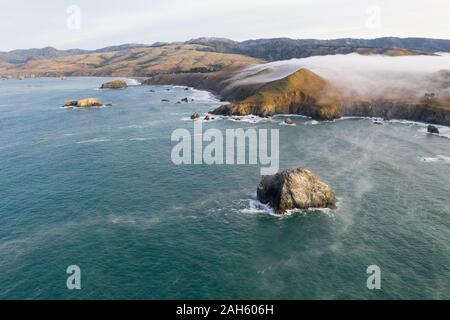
column 305, row 93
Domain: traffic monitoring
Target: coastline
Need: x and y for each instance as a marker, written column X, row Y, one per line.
column 385, row 109
column 216, row 85
column 305, row 93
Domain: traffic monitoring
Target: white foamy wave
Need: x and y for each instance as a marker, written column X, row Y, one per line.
column 143, row 125
column 292, row 115
column 95, row 140
column 202, row 117
column 132, row 82
column 256, row 207
column 103, row 106
column 443, row 131
column 212, row 118
column 287, row 124
column 408, row 122
column 250, row 119
column 203, row 96
column 289, row 116
column 355, row 118
column 312, row 123
column 179, row 113
column 438, row 158
column 146, row 139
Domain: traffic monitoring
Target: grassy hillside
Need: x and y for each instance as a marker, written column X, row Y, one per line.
column 139, row 62
column 267, row 49
column 302, row 92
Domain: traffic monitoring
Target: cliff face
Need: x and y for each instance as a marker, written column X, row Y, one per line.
column 212, row 81
column 428, row 112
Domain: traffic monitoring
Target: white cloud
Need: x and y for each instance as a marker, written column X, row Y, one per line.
column 105, row 22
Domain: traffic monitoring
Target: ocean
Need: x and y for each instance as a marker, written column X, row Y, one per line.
column 97, row 188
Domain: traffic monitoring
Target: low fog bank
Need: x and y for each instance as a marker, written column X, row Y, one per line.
column 375, row 76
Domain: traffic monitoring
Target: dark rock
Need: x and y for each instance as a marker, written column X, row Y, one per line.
column 433, row 129
column 429, row 96
column 165, row 100
column 185, row 100
column 195, row 115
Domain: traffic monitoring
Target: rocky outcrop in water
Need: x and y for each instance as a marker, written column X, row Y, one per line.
column 116, row 84
column 84, row 103
column 432, row 129
column 295, row 189
column 195, row 116
column 288, row 121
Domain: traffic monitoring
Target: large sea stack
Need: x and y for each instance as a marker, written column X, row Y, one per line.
column 295, row 189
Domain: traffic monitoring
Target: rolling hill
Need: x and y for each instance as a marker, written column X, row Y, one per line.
column 135, row 62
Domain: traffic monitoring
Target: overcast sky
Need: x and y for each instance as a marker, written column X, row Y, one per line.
column 90, row 24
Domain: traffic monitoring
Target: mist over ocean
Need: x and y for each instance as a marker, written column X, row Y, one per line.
column 97, row 188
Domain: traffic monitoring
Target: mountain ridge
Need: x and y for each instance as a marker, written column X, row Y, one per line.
column 270, row 49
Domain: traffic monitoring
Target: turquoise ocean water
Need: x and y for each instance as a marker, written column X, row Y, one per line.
column 96, row 188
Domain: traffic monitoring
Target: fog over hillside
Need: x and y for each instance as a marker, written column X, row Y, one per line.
column 374, row 75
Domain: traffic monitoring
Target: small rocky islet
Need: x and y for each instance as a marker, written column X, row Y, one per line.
column 116, row 84
column 84, row 103
column 96, row 102
column 289, row 121
column 432, row 129
column 195, row 116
